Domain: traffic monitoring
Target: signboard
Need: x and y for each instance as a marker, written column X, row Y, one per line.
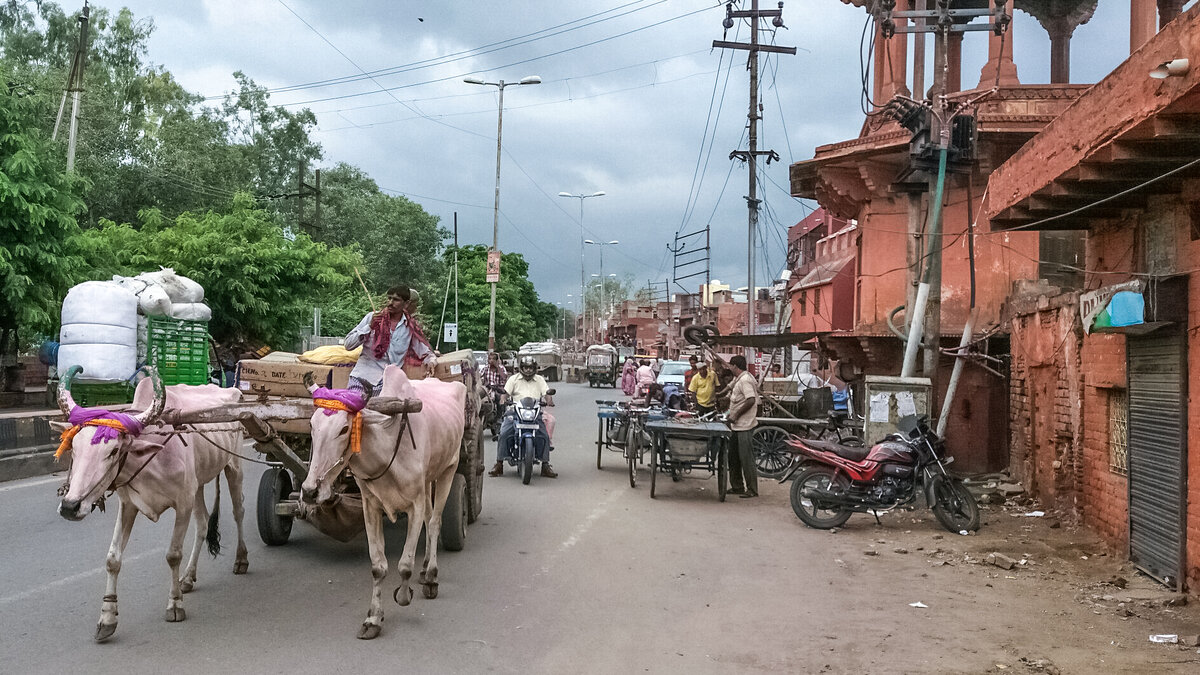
column 450, row 333
column 493, row 267
column 1092, row 303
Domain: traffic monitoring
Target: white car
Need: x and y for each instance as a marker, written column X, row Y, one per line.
column 672, row 372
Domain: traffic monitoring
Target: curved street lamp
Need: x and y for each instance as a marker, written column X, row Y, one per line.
column 581, row 197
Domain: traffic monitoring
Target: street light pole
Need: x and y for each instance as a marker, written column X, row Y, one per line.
column 532, row 79
column 603, row 279
column 582, row 271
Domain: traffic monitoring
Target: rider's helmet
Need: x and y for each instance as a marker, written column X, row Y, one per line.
column 528, row 366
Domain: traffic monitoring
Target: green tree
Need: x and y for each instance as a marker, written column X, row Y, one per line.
column 399, row 240
column 520, row 316
column 260, row 283
column 38, row 204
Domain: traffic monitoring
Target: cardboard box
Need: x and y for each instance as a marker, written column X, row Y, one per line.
column 278, row 378
column 780, row 387
column 449, row 367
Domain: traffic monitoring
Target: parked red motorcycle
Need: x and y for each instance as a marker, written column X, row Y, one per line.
column 834, row 481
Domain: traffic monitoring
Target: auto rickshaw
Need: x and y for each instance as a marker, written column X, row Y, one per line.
column 603, row 367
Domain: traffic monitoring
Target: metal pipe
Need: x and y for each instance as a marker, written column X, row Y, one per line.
column 955, row 374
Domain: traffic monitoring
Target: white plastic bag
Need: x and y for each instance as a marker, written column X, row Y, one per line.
column 179, row 288
column 191, row 311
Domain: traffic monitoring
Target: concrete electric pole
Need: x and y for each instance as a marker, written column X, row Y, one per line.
column 750, row 156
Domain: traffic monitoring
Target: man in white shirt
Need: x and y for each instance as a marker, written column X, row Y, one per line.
column 743, row 416
column 525, row 383
column 390, row 336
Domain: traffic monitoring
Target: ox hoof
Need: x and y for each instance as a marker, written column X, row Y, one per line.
column 429, row 590
column 175, row 615
column 104, row 631
column 186, row 586
column 241, row 566
column 403, row 595
column 369, row 631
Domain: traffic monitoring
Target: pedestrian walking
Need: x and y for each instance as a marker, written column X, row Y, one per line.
column 743, row 415
column 629, row 376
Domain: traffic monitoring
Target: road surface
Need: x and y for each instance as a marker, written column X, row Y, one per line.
column 580, row 574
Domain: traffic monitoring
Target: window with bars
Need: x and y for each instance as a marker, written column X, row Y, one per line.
column 803, row 303
column 1118, row 431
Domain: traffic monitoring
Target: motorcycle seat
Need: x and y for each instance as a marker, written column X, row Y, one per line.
column 847, row 452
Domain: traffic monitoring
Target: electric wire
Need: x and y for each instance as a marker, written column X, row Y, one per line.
column 455, row 56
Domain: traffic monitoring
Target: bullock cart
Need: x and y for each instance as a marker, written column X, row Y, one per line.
column 279, row 428
column 680, row 446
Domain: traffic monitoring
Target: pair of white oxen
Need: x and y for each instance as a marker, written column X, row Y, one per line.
column 152, row 466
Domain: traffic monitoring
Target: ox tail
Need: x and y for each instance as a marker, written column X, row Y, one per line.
column 213, row 537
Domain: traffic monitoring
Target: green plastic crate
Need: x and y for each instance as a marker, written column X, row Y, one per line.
column 97, row 394
column 179, row 349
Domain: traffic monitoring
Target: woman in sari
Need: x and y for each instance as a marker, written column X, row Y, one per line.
column 629, row 376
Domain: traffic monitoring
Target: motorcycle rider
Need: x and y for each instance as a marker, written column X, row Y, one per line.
column 525, row 383
column 495, row 376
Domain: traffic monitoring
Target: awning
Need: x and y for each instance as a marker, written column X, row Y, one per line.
column 824, row 272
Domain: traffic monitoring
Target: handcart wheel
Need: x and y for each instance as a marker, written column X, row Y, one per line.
column 601, row 433
column 722, row 469
column 654, row 445
column 770, row 457
column 274, row 486
column 631, row 453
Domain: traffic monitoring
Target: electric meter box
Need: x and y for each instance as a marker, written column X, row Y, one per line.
column 887, row 399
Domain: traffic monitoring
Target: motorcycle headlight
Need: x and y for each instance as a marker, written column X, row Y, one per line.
column 527, row 414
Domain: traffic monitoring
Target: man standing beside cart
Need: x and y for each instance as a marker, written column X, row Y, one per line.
column 389, row 336
column 743, row 416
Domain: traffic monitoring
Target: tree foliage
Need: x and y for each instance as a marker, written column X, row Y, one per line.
column 38, row 203
column 520, row 316
column 260, row 283
column 166, row 178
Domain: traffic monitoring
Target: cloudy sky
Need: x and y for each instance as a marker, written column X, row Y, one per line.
column 633, row 102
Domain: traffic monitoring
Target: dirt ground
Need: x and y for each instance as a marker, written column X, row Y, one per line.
column 1067, row 605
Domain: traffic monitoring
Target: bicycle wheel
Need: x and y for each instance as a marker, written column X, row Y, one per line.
column 631, row 453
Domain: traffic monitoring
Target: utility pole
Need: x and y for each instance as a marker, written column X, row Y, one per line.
column 75, row 88
column 751, row 156
column 303, row 190
column 456, row 326
column 942, row 135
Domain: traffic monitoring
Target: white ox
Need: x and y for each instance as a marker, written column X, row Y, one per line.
column 157, row 469
column 409, row 472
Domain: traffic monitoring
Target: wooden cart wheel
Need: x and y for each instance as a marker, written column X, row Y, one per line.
column 274, row 486
column 631, row 452
column 475, row 482
column 655, row 443
column 454, row 516
column 722, row 468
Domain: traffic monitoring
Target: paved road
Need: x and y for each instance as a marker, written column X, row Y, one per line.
column 581, row 574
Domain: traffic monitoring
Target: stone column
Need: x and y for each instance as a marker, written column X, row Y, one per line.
column 1060, row 52
column 999, row 67
column 1142, row 17
column 954, row 63
column 1167, row 11
column 891, row 61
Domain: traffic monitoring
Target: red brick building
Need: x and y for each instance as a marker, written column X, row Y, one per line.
column 873, row 180
column 821, row 288
column 1103, row 421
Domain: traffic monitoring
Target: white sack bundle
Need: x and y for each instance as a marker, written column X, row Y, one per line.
column 191, row 311
column 179, row 288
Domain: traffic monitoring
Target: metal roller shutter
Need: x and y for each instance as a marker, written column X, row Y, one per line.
column 1157, row 454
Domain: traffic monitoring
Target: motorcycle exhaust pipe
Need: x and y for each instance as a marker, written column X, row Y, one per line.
column 831, row 499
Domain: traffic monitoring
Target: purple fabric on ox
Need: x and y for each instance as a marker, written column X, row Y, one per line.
column 352, row 399
column 80, row 415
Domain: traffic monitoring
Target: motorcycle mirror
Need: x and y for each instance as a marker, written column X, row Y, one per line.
column 551, row 392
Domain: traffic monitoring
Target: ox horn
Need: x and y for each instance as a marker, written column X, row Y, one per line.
column 310, row 383
column 65, row 402
column 151, row 414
